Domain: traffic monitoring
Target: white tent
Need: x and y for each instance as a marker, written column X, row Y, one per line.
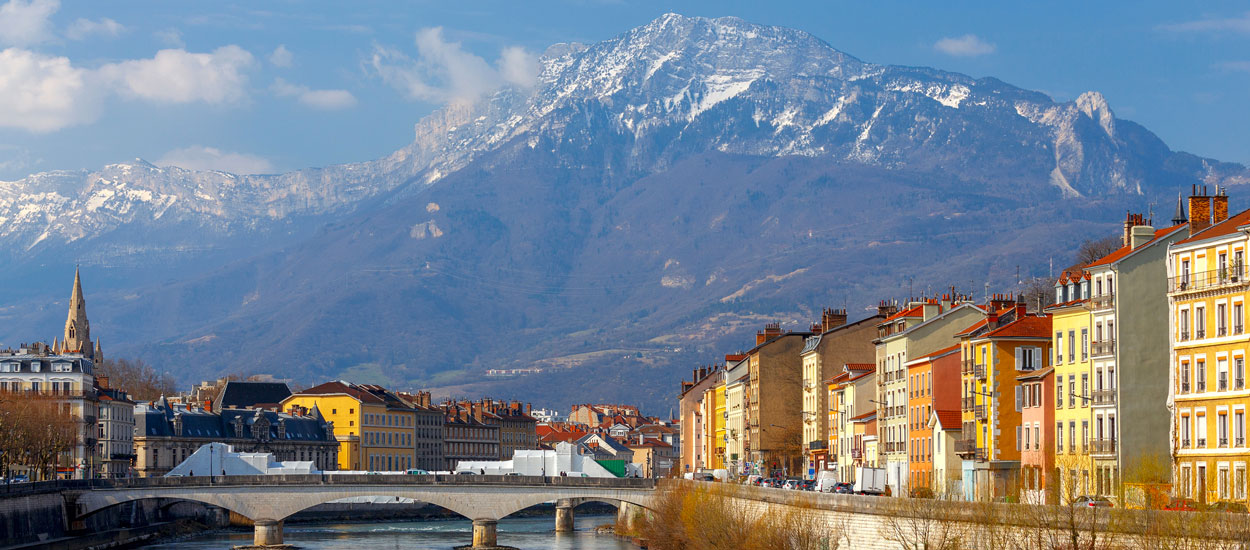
column 220, row 459
column 566, row 458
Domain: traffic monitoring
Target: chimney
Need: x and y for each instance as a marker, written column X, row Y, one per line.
column 734, row 357
column 1219, row 205
column 886, row 309
column 931, row 309
column 1141, row 234
column 476, row 410
column 771, row 330
column 1002, row 301
column 1130, row 221
column 948, row 300
column 1199, row 211
column 832, row 318
column 102, row 381
column 991, row 319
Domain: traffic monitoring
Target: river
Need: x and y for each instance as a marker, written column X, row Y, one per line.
column 530, row 533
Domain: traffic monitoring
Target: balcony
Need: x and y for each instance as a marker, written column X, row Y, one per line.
column 1184, row 387
column 978, row 371
column 1238, row 329
column 818, row 445
column 1103, row 302
column 857, row 453
column 965, row 446
column 1241, row 441
column 1222, row 383
column 967, row 403
column 982, row 454
column 1202, row 442
column 1221, row 331
column 980, row 412
column 1226, row 277
column 1185, row 443
column 1184, row 335
column 1105, row 347
column 1239, row 383
column 1102, row 446
column 966, row 367
column 1223, row 442
column 1104, row 397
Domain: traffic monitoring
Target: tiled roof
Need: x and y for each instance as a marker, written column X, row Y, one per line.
column 861, row 366
column 1029, row 326
column 1126, row 250
column 917, row 311
column 949, row 420
column 864, row 416
column 1226, row 227
column 338, row 386
column 975, row 327
column 1035, row 374
column 1069, row 303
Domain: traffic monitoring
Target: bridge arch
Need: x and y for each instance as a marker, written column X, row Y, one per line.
column 614, row 499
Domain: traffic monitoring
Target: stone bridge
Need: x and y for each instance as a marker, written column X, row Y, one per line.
column 268, row 500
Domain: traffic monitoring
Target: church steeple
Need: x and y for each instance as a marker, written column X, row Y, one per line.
column 77, row 329
column 1179, row 217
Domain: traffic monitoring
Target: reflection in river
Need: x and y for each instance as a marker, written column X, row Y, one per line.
column 535, row 533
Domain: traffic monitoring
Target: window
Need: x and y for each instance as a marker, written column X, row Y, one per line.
column 1071, row 346
column 1084, row 389
column 1200, row 322
column 1059, row 347
column 1239, row 373
column 1221, row 324
column 1072, row 435
column 1037, row 437
column 1184, row 318
column 1221, row 374
column 1221, row 427
column 1071, row 390
column 1085, row 434
column 1200, row 429
column 1239, row 429
column 1084, row 344
column 1201, row 375
column 1058, row 392
column 1184, row 378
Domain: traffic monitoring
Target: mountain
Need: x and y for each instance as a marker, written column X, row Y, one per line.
column 650, row 201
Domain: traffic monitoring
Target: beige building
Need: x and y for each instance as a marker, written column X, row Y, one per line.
column 774, row 393
column 923, row 327
column 833, row 344
column 737, row 377
column 851, row 392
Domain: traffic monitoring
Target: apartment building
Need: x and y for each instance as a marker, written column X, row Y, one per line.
column 1208, row 285
column 851, row 393
column 833, row 343
column 1037, row 458
column 933, row 384
column 774, row 400
column 1072, row 323
column 737, row 374
column 923, row 327
column 374, row 428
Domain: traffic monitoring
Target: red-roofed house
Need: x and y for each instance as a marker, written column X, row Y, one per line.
column 933, row 383
column 947, row 427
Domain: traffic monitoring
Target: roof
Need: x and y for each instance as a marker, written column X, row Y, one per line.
column 1062, row 305
column 1035, row 374
column 339, row 386
column 936, row 354
column 949, row 420
column 914, row 311
column 975, row 327
column 1226, row 227
column 864, row 416
column 1124, row 251
column 242, row 395
column 1029, row 326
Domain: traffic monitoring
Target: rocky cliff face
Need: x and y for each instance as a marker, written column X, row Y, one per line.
column 649, row 202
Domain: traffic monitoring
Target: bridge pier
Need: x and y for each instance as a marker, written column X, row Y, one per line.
column 484, row 535
column 564, row 516
column 267, row 532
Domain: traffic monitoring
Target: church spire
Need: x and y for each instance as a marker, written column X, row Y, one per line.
column 1179, row 217
column 77, row 329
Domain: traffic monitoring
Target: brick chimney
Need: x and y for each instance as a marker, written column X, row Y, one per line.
column 1002, row 301
column 1219, row 205
column 832, row 318
column 886, row 309
column 771, row 330
column 1130, row 221
column 734, row 357
column 1199, row 210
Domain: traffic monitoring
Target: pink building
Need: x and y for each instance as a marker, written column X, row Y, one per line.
column 1036, row 435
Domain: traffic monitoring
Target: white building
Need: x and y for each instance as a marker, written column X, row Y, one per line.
column 220, row 459
column 567, row 459
column 116, row 426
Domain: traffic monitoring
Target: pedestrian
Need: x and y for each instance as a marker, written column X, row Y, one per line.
column 191, row 473
column 483, row 470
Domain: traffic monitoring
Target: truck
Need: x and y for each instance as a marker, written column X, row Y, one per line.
column 869, row 481
column 825, row 480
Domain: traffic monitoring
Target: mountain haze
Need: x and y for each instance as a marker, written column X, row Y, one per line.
column 649, row 202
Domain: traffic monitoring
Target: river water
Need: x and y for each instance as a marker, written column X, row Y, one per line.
column 531, row 533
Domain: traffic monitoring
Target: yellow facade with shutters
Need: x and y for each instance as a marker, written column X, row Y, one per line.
column 1208, row 289
column 1073, row 412
column 371, row 436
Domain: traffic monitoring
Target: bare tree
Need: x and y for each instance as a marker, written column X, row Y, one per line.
column 138, row 378
column 1094, row 249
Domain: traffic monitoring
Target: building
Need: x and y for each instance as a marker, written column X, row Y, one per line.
column 923, row 327
column 248, row 394
column 690, row 407
column 736, row 382
column 517, row 429
column 775, row 387
column 851, row 392
column 1072, row 323
column 564, row 459
column 166, row 434
column 833, row 344
column 428, row 420
column 933, row 384
column 116, row 425
column 594, row 415
column 1037, row 458
column 1129, row 357
column 995, row 351
column 64, row 373
column 947, row 426
column 1208, row 284
column 375, row 428
column 712, row 425
column 654, row 458
column 467, row 436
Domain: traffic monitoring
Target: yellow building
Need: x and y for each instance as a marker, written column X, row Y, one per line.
column 1208, row 287
column 994, row 352
column 718, row 430
column 1072, row 328
column 375, row 428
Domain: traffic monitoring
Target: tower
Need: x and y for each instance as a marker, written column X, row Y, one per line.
column 77, row 330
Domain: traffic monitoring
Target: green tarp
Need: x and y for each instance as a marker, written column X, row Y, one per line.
column 617, row 467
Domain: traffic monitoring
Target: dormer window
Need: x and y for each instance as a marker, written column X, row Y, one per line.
column 62, row 366
column 35, row 366
column 1059, row 295
column 10, row 367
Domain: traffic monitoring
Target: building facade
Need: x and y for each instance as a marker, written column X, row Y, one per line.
column 774, row 397
column 933, row 384
column 833, row 344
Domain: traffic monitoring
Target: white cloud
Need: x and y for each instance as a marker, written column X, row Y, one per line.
column 25, row 22
column 179, row 76
column 82, row 29
column 1238, row 24
column 326, row 100
column 281, row 57
column 43, row 93
column 198, row 157
column 445, row 72
column 968, row 45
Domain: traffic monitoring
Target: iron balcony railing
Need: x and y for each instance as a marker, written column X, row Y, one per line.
column 1202, row 442
column 1202, row 384
column 1185, row 442
column 1184, row 335
column 1102, row 446
column 1239, row 383
column 967, row 403
column 1238, row 328
column 1191, row 282
column 817, row 445
column 1241, row 441
column 1104, row 397
column 965, row 446
column 1104, row 301
column 1221, row 331
column 1223, row 442
column 978, row 371
column 966, row 366
column 1222, row 382
column 857, row 453
column 980, row 412
column 982, row 454
column 1184, row 387
column 1104, row 347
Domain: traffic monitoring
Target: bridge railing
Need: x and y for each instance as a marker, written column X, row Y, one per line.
column 19, row 489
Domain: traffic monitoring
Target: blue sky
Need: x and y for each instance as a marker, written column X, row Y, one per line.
column 258, row 87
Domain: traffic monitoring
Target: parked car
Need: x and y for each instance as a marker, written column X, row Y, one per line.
column 418, row 472
column 466, row 473
column 807, row 485
column 1230, row 507
column 844, row 488
column 1092, row 501
column 791, row 484
column 1183, row 505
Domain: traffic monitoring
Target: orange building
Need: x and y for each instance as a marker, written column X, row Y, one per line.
column 933, row 383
